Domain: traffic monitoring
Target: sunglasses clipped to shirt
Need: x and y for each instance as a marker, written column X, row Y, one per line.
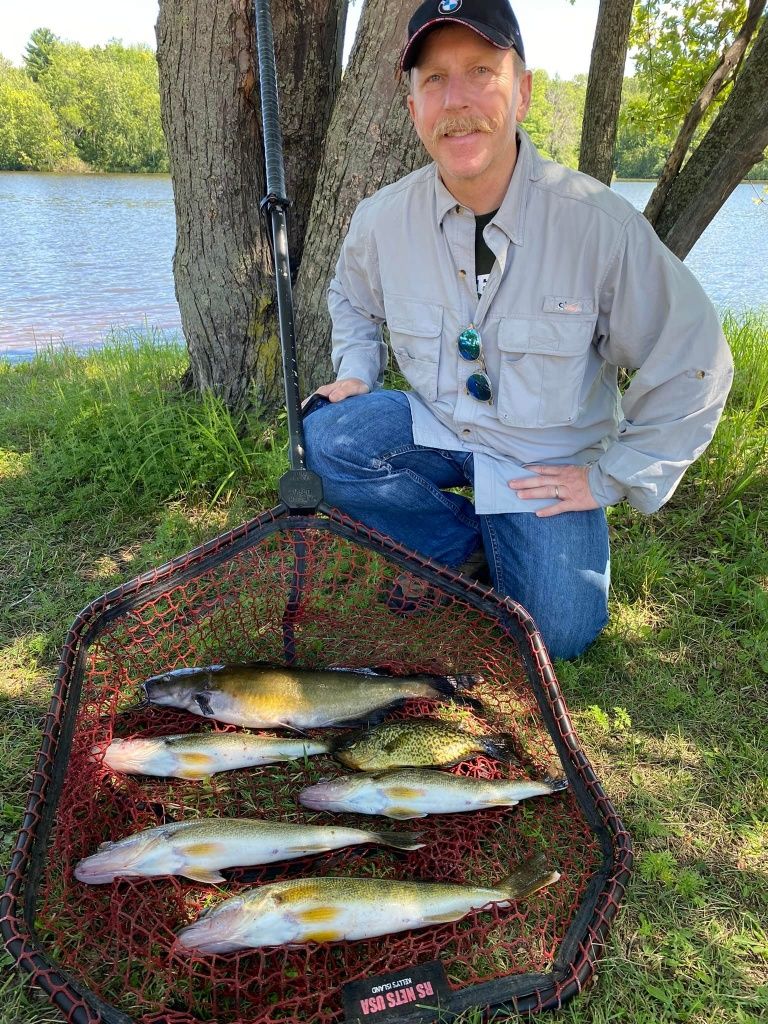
column 478, row 384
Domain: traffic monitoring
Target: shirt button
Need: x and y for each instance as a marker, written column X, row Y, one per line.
column 466, row 431
column 462, row 273
column 458, row 209
column 701, row 374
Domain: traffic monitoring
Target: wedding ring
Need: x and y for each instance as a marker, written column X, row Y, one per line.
column 557, row 491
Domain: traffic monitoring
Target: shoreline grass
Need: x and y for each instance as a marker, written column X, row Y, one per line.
column 107, row 468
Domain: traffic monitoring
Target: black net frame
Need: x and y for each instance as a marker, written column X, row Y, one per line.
column 577, row 950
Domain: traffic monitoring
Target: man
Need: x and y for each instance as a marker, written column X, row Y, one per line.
column 513, row 289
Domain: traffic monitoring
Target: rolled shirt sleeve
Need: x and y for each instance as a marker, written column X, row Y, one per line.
column 655, row 319
column 357, row 308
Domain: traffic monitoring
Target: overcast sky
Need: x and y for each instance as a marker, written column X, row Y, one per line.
column 557, row 35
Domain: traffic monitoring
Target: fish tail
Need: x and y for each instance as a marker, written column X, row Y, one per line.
column 556, row 785
column 455, row 689
column 503, row 746
column 532, row 875
column 399, row 840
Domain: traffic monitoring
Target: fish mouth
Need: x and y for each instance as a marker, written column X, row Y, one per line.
column 317, row 798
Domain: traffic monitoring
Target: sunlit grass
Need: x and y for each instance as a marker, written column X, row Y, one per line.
column 108, row 468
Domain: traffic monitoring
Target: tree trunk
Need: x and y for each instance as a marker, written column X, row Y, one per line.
column 210, row 112
column 606, row 77
column 309, row 39
column 734, row 144
column 727, row 68
column 370, row 143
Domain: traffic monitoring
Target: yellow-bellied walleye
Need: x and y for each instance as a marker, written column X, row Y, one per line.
column 344, row 909
column 417, row 743
column 201, row 849
column 200, row 754
column 415, row 793
column 269, row 698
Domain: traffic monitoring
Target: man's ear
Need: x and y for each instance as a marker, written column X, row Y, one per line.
column 409, row 101
column 526, row 84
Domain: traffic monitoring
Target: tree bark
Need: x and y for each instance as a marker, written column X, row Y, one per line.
column 735, row 143
column 210, row 112
column 727, row 68
column 370, row 143
column 606, row 77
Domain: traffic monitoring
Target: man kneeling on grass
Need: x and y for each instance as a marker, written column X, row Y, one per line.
column 513, row 289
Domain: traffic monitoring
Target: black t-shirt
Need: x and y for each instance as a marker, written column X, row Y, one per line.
column 484, row 258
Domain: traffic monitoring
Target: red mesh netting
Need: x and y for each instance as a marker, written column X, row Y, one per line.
column 117, row 939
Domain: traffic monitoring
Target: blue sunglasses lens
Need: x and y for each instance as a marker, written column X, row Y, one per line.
column 479, row 387
column 470, row 345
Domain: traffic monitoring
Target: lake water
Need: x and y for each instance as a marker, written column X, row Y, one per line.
column 83, row 254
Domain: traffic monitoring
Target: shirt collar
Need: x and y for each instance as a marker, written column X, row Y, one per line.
column 512, row 212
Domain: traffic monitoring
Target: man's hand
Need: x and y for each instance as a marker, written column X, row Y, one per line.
column 568, row 485
column 341, row 389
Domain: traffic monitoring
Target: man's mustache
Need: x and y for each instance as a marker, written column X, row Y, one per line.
column 456, row 125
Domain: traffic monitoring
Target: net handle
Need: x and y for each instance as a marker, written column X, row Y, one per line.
column 300, row 488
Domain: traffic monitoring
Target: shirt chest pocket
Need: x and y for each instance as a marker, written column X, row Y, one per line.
column 542, row 367
column 414, row 334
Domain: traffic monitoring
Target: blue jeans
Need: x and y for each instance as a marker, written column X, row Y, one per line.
column 557, row 568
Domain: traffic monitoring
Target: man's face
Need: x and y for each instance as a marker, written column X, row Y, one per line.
column 466, row 100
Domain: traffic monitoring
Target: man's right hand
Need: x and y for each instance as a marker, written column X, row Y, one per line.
column 341, row 389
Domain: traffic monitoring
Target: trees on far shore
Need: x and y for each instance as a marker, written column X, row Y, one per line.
column 77, row 108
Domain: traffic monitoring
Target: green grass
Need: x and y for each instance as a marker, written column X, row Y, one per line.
column 107, row 468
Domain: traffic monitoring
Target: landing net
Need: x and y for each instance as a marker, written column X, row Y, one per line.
column 315, row 593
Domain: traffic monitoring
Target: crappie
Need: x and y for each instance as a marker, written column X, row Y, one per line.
column 344, row 909
column 418, row 742
column 201, row 849
column 269, row 698
column 198, row 755
column 414, row 793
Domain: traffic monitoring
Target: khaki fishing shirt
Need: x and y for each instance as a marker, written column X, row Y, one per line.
column 581, row 286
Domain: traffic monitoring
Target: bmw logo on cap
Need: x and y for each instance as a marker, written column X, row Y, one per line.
column 449, row 6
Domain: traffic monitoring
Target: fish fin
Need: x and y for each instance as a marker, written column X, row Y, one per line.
column 209, row 849
column 446, row 917
column 556, row 785
column 203, row 701
column 318, row 915
column 503, row 746
column 193, row 774
column 405, row 792
column 338, row 744
column 326, row 936
column 198, row 873
column 398, row 840
column 404, row 813
column 196, row 759
column 454, row 688
column 532, row 875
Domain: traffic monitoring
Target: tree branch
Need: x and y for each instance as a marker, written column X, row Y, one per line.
column 727, row 68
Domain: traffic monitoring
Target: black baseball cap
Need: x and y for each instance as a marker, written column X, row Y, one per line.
column 494, row 20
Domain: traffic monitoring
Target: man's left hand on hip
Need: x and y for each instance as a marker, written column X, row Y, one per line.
column 568, row 486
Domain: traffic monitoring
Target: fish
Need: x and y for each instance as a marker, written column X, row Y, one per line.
column 415, row 793
column 199, row 755
column 201, row 849
column 301, row 910
column 269, row 698
column 418, row 743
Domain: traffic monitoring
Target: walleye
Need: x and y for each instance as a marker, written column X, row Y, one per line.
column 198, row 755
column 270, row 698
column 414, row 793
column 418, row 742
column 201, row 849
column 344, row 909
